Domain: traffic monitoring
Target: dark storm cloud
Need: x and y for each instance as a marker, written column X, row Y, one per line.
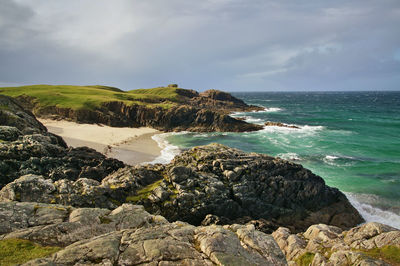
column 226, row 44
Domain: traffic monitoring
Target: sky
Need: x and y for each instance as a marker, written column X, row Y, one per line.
column 232, row 45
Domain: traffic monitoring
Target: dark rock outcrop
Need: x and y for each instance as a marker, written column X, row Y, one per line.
column 27, row 148
column 232, row 185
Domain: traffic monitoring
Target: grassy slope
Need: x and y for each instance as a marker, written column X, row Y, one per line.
column 90, row 97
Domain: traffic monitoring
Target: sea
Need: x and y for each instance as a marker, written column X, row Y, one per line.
column 350, row 139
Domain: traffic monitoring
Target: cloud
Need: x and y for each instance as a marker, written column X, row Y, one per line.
column 226, row 44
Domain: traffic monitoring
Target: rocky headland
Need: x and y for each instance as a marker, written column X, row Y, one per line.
column 212, row 205
column 187, row 111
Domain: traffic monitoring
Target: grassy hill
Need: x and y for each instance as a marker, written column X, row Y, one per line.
column 90, row 97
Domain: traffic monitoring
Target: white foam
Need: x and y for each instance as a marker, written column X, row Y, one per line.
column 331, row 157
column 168, row 151
column 373, row 214
column 250, row 119
column 287, row 130
column 269, row 110
column 289, row 156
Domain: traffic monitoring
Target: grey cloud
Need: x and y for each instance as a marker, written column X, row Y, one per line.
column 226, row 44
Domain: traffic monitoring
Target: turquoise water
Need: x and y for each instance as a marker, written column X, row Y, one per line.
column 351, row 139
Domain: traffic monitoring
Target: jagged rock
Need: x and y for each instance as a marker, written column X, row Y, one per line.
column 129, row 235
column 8, row 133
column 371, row 235
column 273, row 191
column 14, row 115
column 279, row 124
column 234, row 185
column 332, row 246
column 27, row 148
column 59, row 225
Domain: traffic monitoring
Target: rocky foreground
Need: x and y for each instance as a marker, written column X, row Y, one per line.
column 128, row 235
column 210, row 205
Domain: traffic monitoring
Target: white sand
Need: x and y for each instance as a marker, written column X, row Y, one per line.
column 130, row 145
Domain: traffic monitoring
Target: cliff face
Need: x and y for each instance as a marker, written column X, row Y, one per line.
column 206, row 112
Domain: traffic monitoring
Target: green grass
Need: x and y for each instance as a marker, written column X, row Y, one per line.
column 143, row 193
column 91, row 97
column 16, row 251
column 390, row 254
column 305, row 259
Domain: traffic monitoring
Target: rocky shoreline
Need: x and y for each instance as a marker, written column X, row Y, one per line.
column 197, row 112
column 212, row 205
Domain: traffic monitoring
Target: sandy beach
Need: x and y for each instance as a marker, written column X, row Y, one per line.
column 130, row 145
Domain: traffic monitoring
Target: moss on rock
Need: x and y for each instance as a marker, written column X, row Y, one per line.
column 305, row 259
column 16, row 251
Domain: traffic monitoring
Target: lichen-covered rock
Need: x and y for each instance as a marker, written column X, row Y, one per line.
column 331, row 246
column 128, row 235
column 59, row 225
column 169, row 244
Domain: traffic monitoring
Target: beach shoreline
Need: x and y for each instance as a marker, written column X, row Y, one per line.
column 129, row 145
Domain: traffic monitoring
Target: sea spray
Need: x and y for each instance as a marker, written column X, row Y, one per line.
column 373, row 214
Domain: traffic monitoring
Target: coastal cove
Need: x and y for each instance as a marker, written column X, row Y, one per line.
column 202, row 205
column 348, row 138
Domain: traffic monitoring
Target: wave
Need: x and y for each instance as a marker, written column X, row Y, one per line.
column 254, row 120
column 269, row 110
column 289, row 156
column 168, row 151
column 287, row 130
column 331, row 157
column 371, row 213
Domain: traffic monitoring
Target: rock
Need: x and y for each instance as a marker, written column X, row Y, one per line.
column 371, row 235
column 291, row 245
column 279, row 124
column 14, row 115
column 129, row 235
column 278, row 191
column 8, row 133
column 323, row 232
column 42, row 155
column 268, row 193
column 60, row 225
column 332, row 246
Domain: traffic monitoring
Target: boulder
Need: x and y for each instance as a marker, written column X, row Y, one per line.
column 329, row 245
